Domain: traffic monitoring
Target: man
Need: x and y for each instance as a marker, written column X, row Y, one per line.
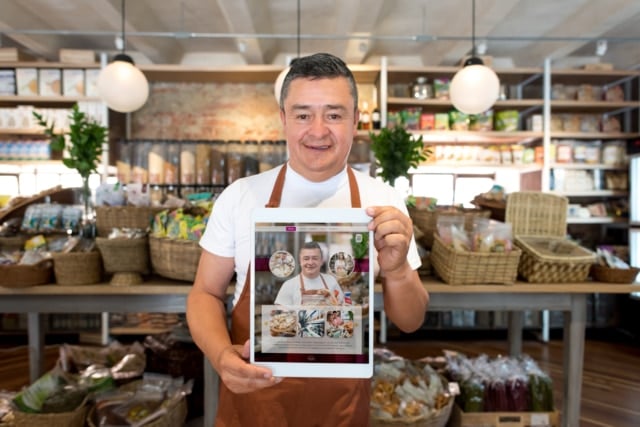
column 318, row 111
column 310, row 286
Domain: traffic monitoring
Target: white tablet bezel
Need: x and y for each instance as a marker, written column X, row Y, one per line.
column 321, row 216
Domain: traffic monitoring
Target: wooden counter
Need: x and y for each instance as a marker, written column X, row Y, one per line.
column 163, row 295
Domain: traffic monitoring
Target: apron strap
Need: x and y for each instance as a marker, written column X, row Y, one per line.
column 353, row 188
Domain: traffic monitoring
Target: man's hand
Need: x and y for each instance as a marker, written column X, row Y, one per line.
column 240, row 376
column 393, row 231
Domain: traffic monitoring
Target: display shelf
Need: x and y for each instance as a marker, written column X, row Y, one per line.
column 565, row 106
column 592, row 193
column 48, row 101
column 443, row 105
column 136, row 330
column 588, row 166
column 479, row 137
column 594, row 135
column 596, row 220
column 27, row 131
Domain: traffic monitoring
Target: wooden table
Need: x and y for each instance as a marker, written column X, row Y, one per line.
column 170, row 297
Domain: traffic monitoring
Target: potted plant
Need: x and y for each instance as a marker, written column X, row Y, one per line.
column 83, row 141
column 396, row 151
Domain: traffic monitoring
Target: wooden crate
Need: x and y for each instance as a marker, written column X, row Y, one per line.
column 76, row 56
column 503, row 419
column 13, row 54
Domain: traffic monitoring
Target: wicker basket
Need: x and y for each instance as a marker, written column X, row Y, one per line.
column 605, row 274
column 12, row 243
column 63, row 419
column 175, row 416
column 110, row 217
column 437, row 418
column 126, row 259
column 77, row 268
column 553, row 260
column 21, row 276
column 173, row 258
column 465, row 268
column 532, row 213
column 427, row 220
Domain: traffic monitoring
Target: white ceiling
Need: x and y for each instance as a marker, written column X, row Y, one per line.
column 410, row 32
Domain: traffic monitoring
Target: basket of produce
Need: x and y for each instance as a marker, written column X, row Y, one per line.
column 547, row 259
column 174, row 258
column 425, row 218
column 110, row 217
column 408, row 393
column 24, row 275
column 126, row 256
column 77, row 268
column 148, row 402
column 12, row 243
column 173, row 244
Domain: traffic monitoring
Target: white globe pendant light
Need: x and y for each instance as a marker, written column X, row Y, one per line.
column 277, row 87
column 121, row 85
column 475, row 87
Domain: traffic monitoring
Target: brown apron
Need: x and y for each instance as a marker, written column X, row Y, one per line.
column 310, row 296
column 295, row 402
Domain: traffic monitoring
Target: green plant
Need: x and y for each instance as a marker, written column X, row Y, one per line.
column 84, row 138
column 396, row 151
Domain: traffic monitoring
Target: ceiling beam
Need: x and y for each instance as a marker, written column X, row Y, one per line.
column 357, row 18
column 247, row 17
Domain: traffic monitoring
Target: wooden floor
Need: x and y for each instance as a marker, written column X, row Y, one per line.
column 611, row 386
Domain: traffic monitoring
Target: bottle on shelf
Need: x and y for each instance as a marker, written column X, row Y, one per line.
column 375, row 118
column 365, row 117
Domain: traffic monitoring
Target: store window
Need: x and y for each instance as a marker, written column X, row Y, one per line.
column 450, row 188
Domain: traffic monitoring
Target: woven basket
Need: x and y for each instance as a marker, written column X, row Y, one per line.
column 553, row 260
column 437, row 418
column 77, row 268
column 12, row 243
column 21, row 276
column 532, row 213
column 173, row 258
column 126, row 259
column 427, row 220
column 175, row 416
column 466, row 268
column 63, row 419
column 605, row 274
column 110, row 217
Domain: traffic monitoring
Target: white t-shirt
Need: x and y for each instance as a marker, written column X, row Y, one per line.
column 289, row 293
column 228, row 229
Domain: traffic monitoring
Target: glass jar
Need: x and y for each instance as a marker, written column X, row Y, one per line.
column 172, row 164
column 266, row 155
column 156, row 163
column 203, row 163
column 218, row 163
column 251, row 162
column 140, row 172
column 235, row 161
column 124, row 162
column 421, row 89
column 187, row 163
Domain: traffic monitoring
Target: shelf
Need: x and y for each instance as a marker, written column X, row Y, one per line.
column 366, row 74
column 593, row 193
column 472, row 169
column 596, row 220
column 591, row 106
column 598, row 77
column 135, row 330
column 407, row 75
column 27, row 131
column 50, row 101
column 480, row 137
column 593, row 135
column 445, row 105
column 586, row 166
column 42, row 64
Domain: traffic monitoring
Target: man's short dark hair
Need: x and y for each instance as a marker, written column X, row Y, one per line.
column 317, row 66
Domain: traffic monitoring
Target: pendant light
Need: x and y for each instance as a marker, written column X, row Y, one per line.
column 277, row 87
column 121, row 85
column 475, row 87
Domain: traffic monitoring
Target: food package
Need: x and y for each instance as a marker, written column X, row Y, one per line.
column 50, row 81
column 506, row 120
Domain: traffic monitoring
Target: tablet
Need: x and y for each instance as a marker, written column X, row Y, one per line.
column 311, row 290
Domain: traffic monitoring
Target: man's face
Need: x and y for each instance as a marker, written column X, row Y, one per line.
column 310, row 262
column 319, row 123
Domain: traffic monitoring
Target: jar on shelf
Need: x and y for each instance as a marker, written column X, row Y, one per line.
column 156, row 163
column 172, row 163
column 124, row 162
column 203, row 163
column 156, row 195
column 187, row 163
column 281, row 151
column 218, row 163
column 421, row 89
column 251, row 162
column 140, row 171
column 235, row 161
column 267, row 155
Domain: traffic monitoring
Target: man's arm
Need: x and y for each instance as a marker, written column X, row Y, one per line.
column 405, row 298
column 207, row 319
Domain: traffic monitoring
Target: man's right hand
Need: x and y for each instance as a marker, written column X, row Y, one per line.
column 238, row 375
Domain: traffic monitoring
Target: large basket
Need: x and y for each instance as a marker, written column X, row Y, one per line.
column 21, row 276
column 465, row 268
column 63, row 419
column 173, row 258
column 77, row 268
column 427, row 220
column 110, row 217
column 127, row 259
column 553, row 260
column 12, row 243
column 532, row 213
column 437, row 418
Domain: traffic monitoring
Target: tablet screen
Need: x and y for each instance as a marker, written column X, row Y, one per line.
column 312, row 286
